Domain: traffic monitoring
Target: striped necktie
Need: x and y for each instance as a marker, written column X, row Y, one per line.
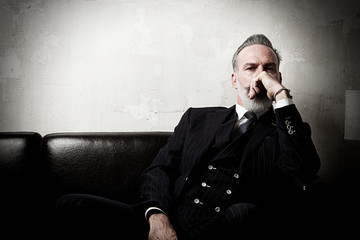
column 249, row 124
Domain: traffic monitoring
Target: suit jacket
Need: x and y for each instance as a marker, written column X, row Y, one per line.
column 280, row 140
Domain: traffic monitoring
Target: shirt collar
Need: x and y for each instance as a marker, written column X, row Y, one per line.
column 240, row 110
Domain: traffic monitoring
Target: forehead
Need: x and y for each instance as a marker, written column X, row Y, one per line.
column 257, row 53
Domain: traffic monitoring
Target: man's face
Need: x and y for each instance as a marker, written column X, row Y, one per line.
column 251, row 61
column 255, row 59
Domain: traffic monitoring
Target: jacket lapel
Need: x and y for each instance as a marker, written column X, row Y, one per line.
column 219, row 126
column 217, row 129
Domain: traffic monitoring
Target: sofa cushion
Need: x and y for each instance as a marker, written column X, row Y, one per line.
column 105, row 164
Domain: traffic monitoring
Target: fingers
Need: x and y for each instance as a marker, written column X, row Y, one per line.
column 256, row 86
column 166, row 233
column 253, row 91
column 263, row 82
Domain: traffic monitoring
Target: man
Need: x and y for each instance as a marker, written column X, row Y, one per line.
column 221, row 172
column 183, row 184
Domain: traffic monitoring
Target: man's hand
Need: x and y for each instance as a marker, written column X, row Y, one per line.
column 161, row 228
column 264, row 81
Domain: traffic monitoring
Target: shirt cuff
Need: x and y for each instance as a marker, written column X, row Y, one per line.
column 283, row 103
column 151, row 210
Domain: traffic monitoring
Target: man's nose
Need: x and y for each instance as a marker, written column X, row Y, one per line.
column 260, row 69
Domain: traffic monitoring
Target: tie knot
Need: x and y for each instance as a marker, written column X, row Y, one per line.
column 250, row 115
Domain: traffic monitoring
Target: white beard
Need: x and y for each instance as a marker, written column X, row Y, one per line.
column 260, row 104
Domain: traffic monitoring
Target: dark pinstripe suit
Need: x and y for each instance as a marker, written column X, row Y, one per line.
column 279, row 145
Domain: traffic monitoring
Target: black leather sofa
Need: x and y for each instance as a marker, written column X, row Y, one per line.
column 35, row 170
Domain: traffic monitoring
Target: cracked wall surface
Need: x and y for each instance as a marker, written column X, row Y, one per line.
column 137, row 65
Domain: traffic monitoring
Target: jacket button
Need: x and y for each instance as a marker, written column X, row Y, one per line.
column 217, row 209
column 236, row 175
column 196, row 200
column 211, row 167
column 228, row 191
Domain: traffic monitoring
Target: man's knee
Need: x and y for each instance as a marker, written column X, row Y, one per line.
column 242, row 219
column 242, row 211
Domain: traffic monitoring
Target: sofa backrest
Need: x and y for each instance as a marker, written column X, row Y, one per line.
column 105, row 164
column 19, row 155
column 19, row 174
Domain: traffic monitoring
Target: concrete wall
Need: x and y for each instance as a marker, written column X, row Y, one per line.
column 137, row 65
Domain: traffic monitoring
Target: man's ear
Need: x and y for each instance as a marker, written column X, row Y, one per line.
column 233, row 80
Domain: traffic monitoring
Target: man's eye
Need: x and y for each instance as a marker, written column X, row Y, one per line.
column 250, row 68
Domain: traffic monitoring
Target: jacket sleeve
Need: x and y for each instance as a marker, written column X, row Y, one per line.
column 298, row 156
column 159, row 177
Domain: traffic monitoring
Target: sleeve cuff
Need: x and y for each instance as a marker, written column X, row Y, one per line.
column 152, row 210
column 283, row 103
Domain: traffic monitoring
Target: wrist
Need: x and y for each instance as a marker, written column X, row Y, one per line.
column 152, row 210
column 281, row 93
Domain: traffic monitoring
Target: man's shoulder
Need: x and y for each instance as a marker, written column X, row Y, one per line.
column 195, row 112
column 199, row 114
column 205, row 110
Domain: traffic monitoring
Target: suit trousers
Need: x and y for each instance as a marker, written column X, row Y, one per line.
column 84, row 216
column 89, row 216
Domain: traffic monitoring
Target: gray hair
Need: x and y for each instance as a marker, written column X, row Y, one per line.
column 252, row 40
